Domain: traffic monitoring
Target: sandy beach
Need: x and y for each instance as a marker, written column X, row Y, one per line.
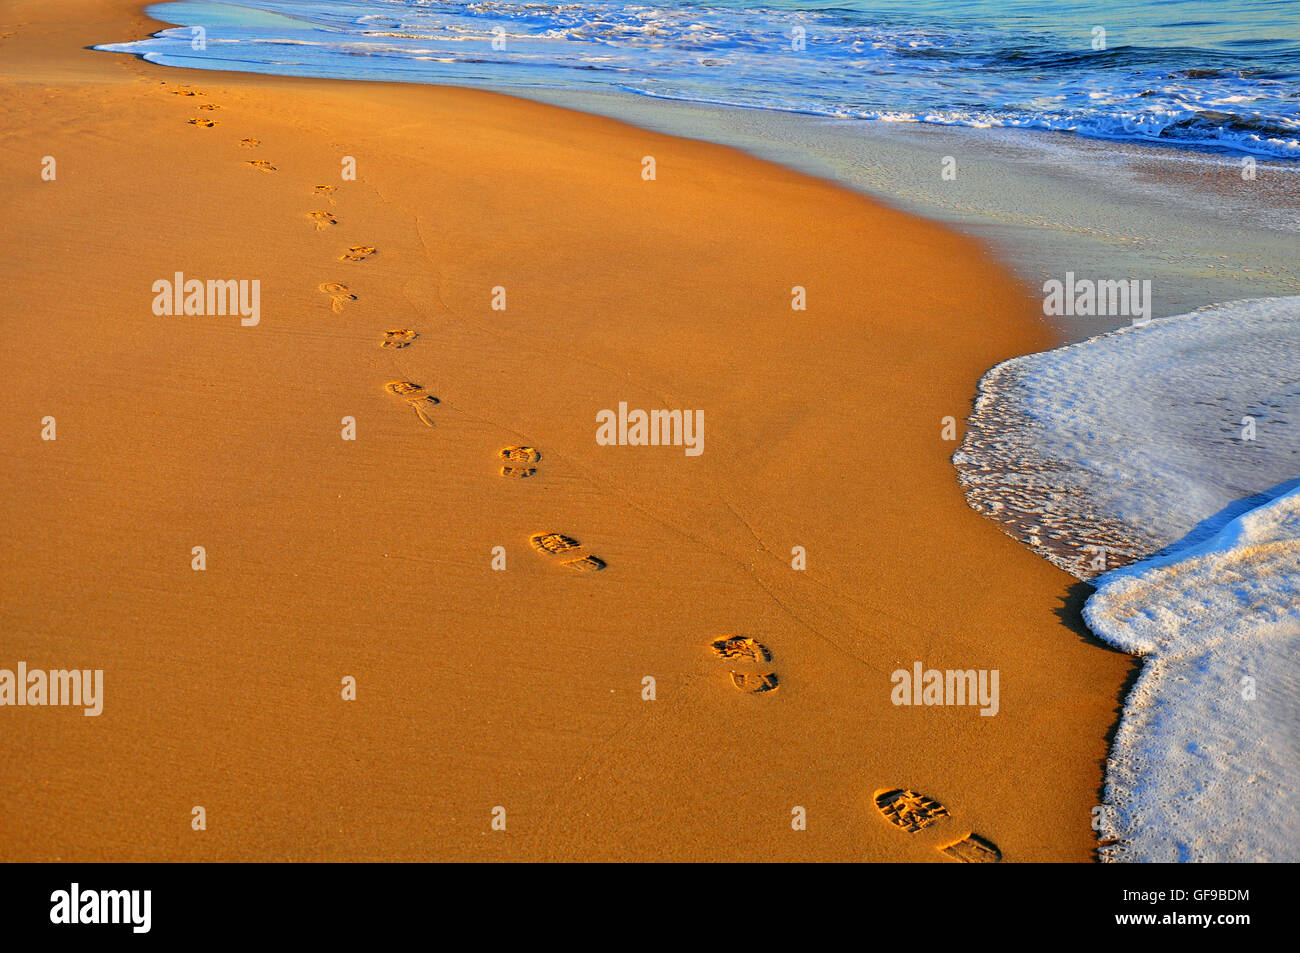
column 479, row 688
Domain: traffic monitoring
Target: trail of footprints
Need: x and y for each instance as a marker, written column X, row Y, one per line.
column 516, row 462
column 209, row 107
column 750, row 667
column 913, row 813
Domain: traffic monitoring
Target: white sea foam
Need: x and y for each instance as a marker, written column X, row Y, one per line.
column 1132, row 440
column 1174, row 446
column 1206, row 762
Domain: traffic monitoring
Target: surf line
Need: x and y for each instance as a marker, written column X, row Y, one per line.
column 656, row 428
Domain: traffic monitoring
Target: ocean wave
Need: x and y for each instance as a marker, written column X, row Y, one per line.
column 1203, row 767
column 1107, row 451
column 1161, row 462
column 848, row 62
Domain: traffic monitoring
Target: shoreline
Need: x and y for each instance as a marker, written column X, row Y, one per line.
column 1186, row 219
column 1035, row 198
column 522, row 688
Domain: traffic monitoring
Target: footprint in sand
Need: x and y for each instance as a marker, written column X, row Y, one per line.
column 261, row 164
column 914, row 812
column 519, row 461
column 745, row 649
column 358, row 253
column 184, row 91
column 209, row 106
column 323, row 220
column 398, row 338
column 327, row 191
column 337, row 292
column 250, row 141
column 416, row 396
column 569, row 549
column 205, row 123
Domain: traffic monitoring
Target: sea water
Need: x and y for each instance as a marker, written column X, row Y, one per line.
column 1222, row 75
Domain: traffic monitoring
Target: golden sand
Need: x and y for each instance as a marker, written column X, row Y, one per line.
column 326, row 558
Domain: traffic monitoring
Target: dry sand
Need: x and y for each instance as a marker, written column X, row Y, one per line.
column 372, row 558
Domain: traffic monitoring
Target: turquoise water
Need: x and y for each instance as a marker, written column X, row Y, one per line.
column 1222, row 75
